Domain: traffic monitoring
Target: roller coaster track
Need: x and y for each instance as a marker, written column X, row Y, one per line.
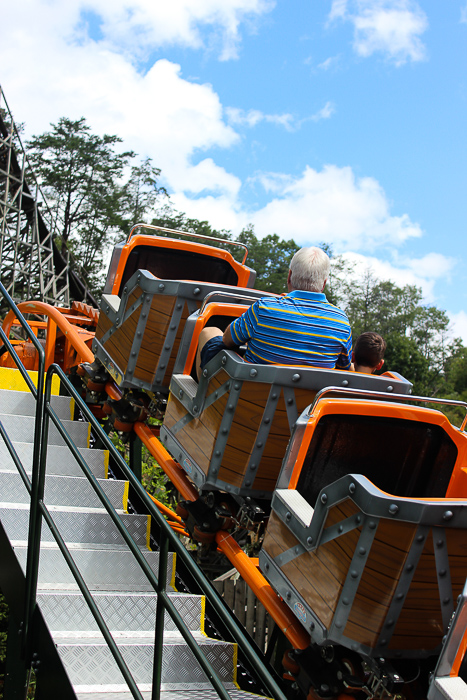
column 31, row 258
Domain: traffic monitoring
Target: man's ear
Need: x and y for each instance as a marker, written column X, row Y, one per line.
column 353, row 357
column 324, row 285
column 379, row 365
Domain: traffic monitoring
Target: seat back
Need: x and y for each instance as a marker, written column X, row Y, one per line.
column 175, row 259
column 405, row 450
column 367, row 570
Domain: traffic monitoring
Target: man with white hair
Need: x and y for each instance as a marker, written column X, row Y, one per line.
column 299, row 328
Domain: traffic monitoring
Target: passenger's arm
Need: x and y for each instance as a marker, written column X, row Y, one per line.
column 228, row 340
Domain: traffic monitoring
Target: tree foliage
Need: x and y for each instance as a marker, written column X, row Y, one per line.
column 81, row 175
column 270, row 257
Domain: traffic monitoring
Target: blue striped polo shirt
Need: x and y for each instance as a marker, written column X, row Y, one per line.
column 300, row 328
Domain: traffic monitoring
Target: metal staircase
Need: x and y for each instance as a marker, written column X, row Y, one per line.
column 121, row 591
column 93, row 611
column 123, row 595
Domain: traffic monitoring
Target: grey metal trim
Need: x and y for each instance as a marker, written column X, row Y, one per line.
column 187, row 418
column 192, row 306
column 119, row 316
column 198, row 476
column 217, row 394
column 185, row 460
column 401, row 591
column 289, row 555
column 443, row 572
column 139, row 333
column 352, row 581
column 290, row 406
column 375, row 503
column 224, row 431
column 262, row 435
column 171, row 334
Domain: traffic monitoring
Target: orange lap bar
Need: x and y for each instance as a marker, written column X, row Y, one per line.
column 276, row 607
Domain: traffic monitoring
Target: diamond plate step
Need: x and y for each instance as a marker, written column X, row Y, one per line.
column 110, row 569
column 111, row 693
column 21, row 429
column 21, row 403
column 121, row 590
column 65, row 491
column 86, row 526
column 122, row 612
column 59, row 459
column 89, row 662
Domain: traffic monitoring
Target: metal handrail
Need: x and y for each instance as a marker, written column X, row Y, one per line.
column 37, row 490
column 385, row 395
column 228, row 295
column 39, row 510
column 188, row 233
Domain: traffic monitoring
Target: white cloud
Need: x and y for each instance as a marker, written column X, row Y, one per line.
column 391, row 27
column 139, row 24
column 338, row 10
column 459, row 325
column 159, row 114
column 422, row 272
column 325, row 112
column 463, row 18
column 254, row 116
column 331, row 205
column 132, row 27
column 329, row 63
column 179, row 123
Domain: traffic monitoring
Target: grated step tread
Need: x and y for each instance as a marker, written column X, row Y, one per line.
column 21, row 429
column 59, row 459
column 66, row 491
column 123, row 612
column 103, row 569
column 21, row 403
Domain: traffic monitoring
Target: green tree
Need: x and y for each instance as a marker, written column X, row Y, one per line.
column 417, row 335
column 270, row 257
column 455, row 386
column 140, row 194
column 80, row 175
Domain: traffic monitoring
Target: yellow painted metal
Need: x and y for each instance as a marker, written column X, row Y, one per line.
column 12, row 380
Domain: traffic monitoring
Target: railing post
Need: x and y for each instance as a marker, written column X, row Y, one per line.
column 35, row 516
column 136, row 456
column 160, row 615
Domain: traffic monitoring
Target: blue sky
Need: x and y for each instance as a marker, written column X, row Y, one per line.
column 341, row 121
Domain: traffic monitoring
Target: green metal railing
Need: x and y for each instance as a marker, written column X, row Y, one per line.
column 168, row 539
